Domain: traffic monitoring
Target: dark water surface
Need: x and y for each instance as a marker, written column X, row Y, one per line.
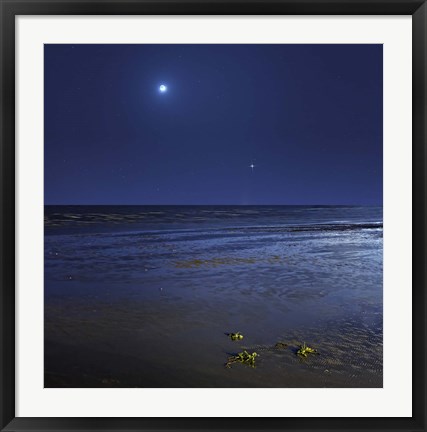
column 142, row 296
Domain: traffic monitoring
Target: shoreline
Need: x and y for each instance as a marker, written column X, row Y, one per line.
column 153, row 309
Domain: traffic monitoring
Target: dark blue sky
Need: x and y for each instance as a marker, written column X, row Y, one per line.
column 309, row 117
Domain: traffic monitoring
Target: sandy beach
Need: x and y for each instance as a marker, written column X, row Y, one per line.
column 143, row 297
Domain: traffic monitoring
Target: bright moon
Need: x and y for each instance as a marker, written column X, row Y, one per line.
column 163, row 88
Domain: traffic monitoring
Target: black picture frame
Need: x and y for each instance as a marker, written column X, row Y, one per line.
column 11, row 8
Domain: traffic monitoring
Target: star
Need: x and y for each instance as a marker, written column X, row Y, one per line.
column 252, row 166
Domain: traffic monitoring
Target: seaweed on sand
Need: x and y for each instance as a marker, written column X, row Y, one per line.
column 280, row 345
column 305, row 350
column 243, row 357
column 235, row 336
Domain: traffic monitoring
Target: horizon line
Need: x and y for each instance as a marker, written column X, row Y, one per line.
column 222, row 205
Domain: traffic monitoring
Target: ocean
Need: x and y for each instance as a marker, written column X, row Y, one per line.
column 145, row 296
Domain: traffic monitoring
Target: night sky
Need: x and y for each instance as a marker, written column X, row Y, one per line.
column 308, row 117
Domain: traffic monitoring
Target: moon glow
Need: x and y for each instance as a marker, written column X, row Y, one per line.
column 162, row 88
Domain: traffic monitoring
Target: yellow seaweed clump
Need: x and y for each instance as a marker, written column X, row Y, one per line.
column 243, row 357
column 236, row 336
column 305, row 350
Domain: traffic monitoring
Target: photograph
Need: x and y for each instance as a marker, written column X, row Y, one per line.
column 213, row 215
